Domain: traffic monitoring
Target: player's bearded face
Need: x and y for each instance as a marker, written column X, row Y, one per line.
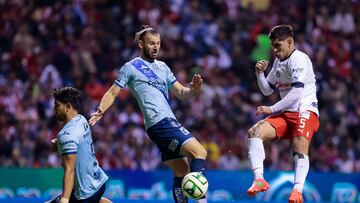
column 282, row 48
column 59, row 109
column 151, row 46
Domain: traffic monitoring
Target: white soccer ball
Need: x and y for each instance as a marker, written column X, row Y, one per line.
column 194, row 185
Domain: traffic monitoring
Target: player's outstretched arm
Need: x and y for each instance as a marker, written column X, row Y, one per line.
column 182, row 92
column 106, row 101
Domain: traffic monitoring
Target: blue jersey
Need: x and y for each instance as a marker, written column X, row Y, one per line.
column 75, row 138
column 149, row 83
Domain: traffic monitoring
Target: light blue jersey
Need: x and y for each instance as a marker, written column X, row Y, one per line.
column 75, row 138
column 149, row 83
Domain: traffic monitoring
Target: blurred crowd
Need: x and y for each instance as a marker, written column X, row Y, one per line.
column 47, row 44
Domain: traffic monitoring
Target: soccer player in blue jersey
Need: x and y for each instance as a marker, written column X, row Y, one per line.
column 84, row 180
column 149, row 81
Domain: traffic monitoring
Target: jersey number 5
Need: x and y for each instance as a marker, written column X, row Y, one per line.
column 302, row 123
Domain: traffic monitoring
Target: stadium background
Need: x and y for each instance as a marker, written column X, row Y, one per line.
column 46, row 44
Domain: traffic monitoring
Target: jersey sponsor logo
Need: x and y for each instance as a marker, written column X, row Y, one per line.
column 173, row 145
column 157, row 84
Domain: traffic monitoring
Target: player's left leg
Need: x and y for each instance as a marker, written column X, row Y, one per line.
column 263, row 130
column 179, row 167
column 197, row 154
column 308, row 124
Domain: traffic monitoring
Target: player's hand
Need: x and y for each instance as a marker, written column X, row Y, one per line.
column 54, row 141
column 263, row 110
column 261, row 66
column 53, row 144
column 196, row 83
column 95, row 117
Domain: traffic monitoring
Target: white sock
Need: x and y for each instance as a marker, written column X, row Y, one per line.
column 257, row 156
column 201, row 200
column 301, row 171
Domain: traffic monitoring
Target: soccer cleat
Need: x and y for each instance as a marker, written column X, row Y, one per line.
column 296, row 197
column 259, row 185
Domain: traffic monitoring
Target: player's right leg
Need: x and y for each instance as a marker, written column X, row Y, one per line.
column 196, row 153
column 261, row 131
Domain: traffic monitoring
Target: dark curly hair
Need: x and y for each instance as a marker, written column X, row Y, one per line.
column 68, row 95
column 281, row 32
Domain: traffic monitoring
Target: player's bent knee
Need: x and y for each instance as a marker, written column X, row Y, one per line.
column 199, row 152
column 193, row 149
column 251, row 132
column 262, row 130
column 254, row 132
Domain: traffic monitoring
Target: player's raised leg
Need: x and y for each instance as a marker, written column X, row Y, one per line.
column 196, row 153
column 257, row 134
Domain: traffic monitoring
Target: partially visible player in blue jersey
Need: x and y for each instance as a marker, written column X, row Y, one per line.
column 149, row 81
column 84, row 180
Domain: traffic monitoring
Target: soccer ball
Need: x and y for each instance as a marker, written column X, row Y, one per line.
column 194, row 185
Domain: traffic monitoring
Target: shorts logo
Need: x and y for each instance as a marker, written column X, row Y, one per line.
column 183, row 130
column 173, row 145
